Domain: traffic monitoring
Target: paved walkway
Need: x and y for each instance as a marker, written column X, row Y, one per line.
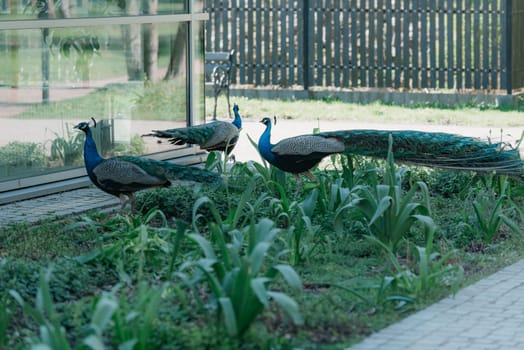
column 61, row 204
column 486, row 315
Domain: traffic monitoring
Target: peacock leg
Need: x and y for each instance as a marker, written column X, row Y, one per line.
column 299, row 185
column 123, row 201
column 310, row 175
column 132, row 201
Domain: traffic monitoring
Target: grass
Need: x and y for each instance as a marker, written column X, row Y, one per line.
column 374, row 112
column 184, row 259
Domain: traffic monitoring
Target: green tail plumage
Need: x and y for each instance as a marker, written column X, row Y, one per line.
column 172, row 171
column 434, row 149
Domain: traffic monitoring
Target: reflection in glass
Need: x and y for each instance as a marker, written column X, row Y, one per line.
column 131, row 78
column 14, row 9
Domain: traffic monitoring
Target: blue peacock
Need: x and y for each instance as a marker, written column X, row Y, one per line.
column 214, row 136
column 121, row 176
column 298, row 155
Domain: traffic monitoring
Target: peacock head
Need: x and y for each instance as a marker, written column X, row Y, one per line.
column 235, row 108
column 267, row 121
column 84, row 126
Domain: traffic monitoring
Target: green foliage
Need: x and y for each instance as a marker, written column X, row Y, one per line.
column 445, row 182
column 67, row 149
column 52, row 334
column 6, row 315
column 492, row 210
column 335, row 201
column 136, row 146
column 161, row 100
column 203, row 267
column 22, row 154
column 238, row 274
column 134, row 319
column 133, row 244
column 391, row 213
column 430, row 270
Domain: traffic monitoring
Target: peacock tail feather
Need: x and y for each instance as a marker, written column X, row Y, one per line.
column 171, row 171
column 434, row 149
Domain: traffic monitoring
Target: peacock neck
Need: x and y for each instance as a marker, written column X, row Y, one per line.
column 91, row 156
column 237, row 121
column 264, row 145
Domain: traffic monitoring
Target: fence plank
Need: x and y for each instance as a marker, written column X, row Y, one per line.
column 406, row 43
column 458, row 45
column 398, row 36
column 242, row 46
column 389, row 44
column 494, row 52
column 468, row 47
column 423, row 44
column 476, row 45
column 345, row 43
column 310, row 45
column 371, row 44
column 354, row 50
column 291, row 17
column 380, row 44
column 485, row 44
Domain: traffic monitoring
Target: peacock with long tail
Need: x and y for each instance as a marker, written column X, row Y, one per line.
column 121, row 176
column 214, row 136
column 297, row 155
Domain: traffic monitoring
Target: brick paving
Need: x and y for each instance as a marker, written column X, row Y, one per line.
column 61, row 204
column 487, row 315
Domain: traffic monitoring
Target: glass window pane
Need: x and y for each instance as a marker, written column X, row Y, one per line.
column 130, row 78
column 15, row 9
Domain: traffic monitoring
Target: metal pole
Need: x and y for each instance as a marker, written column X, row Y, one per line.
column 509, row 48
column 305, row 43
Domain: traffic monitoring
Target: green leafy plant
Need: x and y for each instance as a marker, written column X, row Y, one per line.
column 67, row 149
column 134, row 319
column 296, row 217
column 5, row 318
column 429, row 271
column 132, row 243
column 336, row 200
column 26, row 154
column 239, row 273
column 52, row 334
column 491, row 211
column 136, row 146
column 391, row 213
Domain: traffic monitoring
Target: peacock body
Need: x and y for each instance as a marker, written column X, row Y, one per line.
column 214, row 136
column 121, row 176
column 299, row 154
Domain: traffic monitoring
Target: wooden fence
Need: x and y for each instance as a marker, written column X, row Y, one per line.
column 401, row 44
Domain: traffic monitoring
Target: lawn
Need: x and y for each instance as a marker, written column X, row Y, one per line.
column 249, row 265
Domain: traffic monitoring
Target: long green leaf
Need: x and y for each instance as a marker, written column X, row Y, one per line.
column 289, row 306
column 104, row 310
column 290, row 275
column 229, row 315
column 204, row 245
column 259, row 288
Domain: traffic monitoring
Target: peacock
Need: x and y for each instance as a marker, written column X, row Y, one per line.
column 121, row 176
column 215, row 136
column 297, row 155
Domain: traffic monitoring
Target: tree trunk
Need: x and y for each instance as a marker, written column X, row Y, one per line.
column 150, row 40
column 14, row 50
column 133, row 44
column 178, row 53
